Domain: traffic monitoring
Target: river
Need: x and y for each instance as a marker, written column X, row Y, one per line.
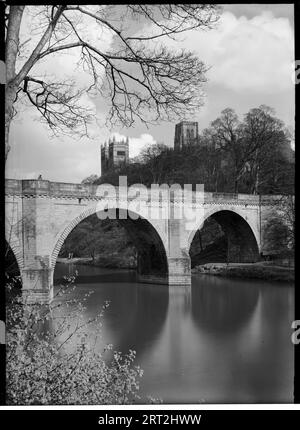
column 219, row 341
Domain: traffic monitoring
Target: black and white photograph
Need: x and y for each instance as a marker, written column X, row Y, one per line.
column 149, row 215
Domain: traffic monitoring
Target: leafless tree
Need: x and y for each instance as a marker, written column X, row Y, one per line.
column 139, row 75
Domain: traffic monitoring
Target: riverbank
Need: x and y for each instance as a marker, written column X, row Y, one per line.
column 75, row 260
column 110, row 262
column 260, row 270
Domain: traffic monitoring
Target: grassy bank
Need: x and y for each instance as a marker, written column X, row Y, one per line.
column 248, row 271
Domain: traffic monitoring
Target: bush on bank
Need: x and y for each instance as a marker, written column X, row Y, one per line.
column 52, row 358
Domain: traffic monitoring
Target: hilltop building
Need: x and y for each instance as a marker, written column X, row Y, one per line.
column 186, row 132
column 114, row 153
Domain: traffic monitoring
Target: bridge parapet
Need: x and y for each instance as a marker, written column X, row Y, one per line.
column 61, row 189
column 34, row 187
column 225, row 196
column 232, row 198
column 42, row 187
column 248, row 199
column 271, row 199
column 13, row 186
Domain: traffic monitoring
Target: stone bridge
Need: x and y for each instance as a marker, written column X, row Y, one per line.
column 40, row 215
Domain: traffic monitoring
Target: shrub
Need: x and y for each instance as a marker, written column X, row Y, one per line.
column 53, row 359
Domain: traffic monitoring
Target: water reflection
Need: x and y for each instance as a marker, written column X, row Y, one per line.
column 144, row 313
column 224, row 307
column 218, row 341
column 86, row 274
column 128, row 306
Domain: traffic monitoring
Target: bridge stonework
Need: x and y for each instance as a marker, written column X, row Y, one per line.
column 40, row 215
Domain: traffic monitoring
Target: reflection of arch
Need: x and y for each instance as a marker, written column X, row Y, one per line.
column 143, row 233
column 136, row 314
column 224, row 305
column 143, row 325
column 242, row 237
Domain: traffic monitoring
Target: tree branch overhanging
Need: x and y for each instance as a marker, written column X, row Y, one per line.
column 58, row 106
column 136, row 77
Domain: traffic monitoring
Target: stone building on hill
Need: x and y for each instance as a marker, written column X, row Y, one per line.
column 186, row 132
column 114, row 153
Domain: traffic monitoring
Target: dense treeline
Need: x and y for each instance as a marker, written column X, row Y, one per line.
column 249, row 155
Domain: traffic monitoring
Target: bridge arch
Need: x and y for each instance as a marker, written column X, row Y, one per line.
column 144, row 233
column 242, row 236
column 13, row 266
column 16, row 249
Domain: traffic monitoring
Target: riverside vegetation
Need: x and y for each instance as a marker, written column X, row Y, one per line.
column 52, row 355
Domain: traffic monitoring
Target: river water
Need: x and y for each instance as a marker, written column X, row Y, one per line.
column 219, row 341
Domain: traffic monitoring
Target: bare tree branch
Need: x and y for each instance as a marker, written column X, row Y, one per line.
column 58, row 105
column 137, row 77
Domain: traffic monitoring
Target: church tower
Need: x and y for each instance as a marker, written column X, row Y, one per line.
column 186, row 132
column 114, row 154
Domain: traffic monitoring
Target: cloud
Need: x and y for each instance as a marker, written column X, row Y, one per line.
column 251, row 10
column 254, row 55
column 137, row 144
column 245, row 54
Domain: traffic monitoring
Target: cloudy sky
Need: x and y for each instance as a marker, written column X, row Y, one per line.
column 250, row 54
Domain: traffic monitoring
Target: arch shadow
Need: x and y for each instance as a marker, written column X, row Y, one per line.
column 12, row 265
column 242, row 246
column 152, row 257
column 12, row 272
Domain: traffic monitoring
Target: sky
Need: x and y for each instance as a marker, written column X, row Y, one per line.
column 250, row 54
